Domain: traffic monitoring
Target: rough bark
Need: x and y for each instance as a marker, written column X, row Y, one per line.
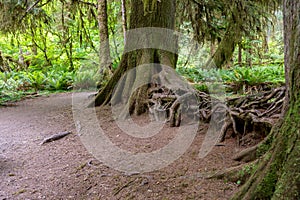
column 162, row 15
column 278, row 173
column 104, row 50
column 124, row 18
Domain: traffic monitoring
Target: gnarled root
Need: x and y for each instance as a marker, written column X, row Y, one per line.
column 256, row 113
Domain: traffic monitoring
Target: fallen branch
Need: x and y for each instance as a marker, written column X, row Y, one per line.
column 55, row 137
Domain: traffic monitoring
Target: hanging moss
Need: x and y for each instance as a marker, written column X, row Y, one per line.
column 149, row 6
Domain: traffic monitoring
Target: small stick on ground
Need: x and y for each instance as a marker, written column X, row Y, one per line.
column 56, row 137
column 123, row 187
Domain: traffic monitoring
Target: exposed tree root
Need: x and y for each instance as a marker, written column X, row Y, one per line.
column 246, row 155
column 237, row 173
column 252, row 113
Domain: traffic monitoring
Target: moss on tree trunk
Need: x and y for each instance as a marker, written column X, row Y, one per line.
column 162, row 16
column 232, row 37
column 226, row 48
column 278, row 173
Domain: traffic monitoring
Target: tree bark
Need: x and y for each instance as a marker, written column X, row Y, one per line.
column 232, row 37
column 104, row 51
column 143, row 14
column 124, row 19
column 240, row 59
column 226, row 47
column 212, row 47
column 278, row 173
column 249, row 56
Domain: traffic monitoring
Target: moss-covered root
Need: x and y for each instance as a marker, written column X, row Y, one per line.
column 236, row 174
column 278, row 173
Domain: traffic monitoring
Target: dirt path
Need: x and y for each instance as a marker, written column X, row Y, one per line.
column 64, row 169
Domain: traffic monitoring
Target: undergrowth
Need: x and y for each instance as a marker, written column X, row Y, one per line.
column 241, row 77
column 15, row 84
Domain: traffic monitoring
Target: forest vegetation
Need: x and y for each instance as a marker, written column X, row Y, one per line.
column 57, row 45
column 249, row 49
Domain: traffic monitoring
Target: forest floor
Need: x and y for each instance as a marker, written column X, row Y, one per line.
column 64, row 169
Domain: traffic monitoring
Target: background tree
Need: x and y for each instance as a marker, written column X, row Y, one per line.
column 277, row 175
column 124, row 18
column 228, row 23
column 104, row 50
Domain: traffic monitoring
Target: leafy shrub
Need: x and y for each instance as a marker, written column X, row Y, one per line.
column 59, row 80
column 241, row 76
column 86, row 78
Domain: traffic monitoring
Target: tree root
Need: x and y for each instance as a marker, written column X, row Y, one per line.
column 262, row 109
column 238, row 173
column 247, row 155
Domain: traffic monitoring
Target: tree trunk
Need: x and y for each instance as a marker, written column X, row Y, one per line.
column 249, row 56
column 232, row 37
column 143, row 14
column 226, row 48
column 212, row 47
column 124, row 19
column 278, row 173
column 105, row 59
column 240, row 59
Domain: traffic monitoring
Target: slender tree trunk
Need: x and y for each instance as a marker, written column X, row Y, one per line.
column 249, row 57
column 143, row 14
column 278, row 174
column 265, row 44
column 105, row 59
column 71, row 54
column 21, row 58
column 2, row 63
column 124, row 19
column 232, row 37
column 240, row 60
column 212, row 47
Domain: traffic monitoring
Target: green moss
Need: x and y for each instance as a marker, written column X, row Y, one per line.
column 266, row 188
column 264, row 147
column 288, row 185
column 247, row 170
column 268, row 185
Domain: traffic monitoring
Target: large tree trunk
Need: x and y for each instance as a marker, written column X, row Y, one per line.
column 160, row 14
column 278, row 174
column 104, row 50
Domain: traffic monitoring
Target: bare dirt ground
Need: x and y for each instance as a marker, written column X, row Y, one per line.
column 64, row 169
